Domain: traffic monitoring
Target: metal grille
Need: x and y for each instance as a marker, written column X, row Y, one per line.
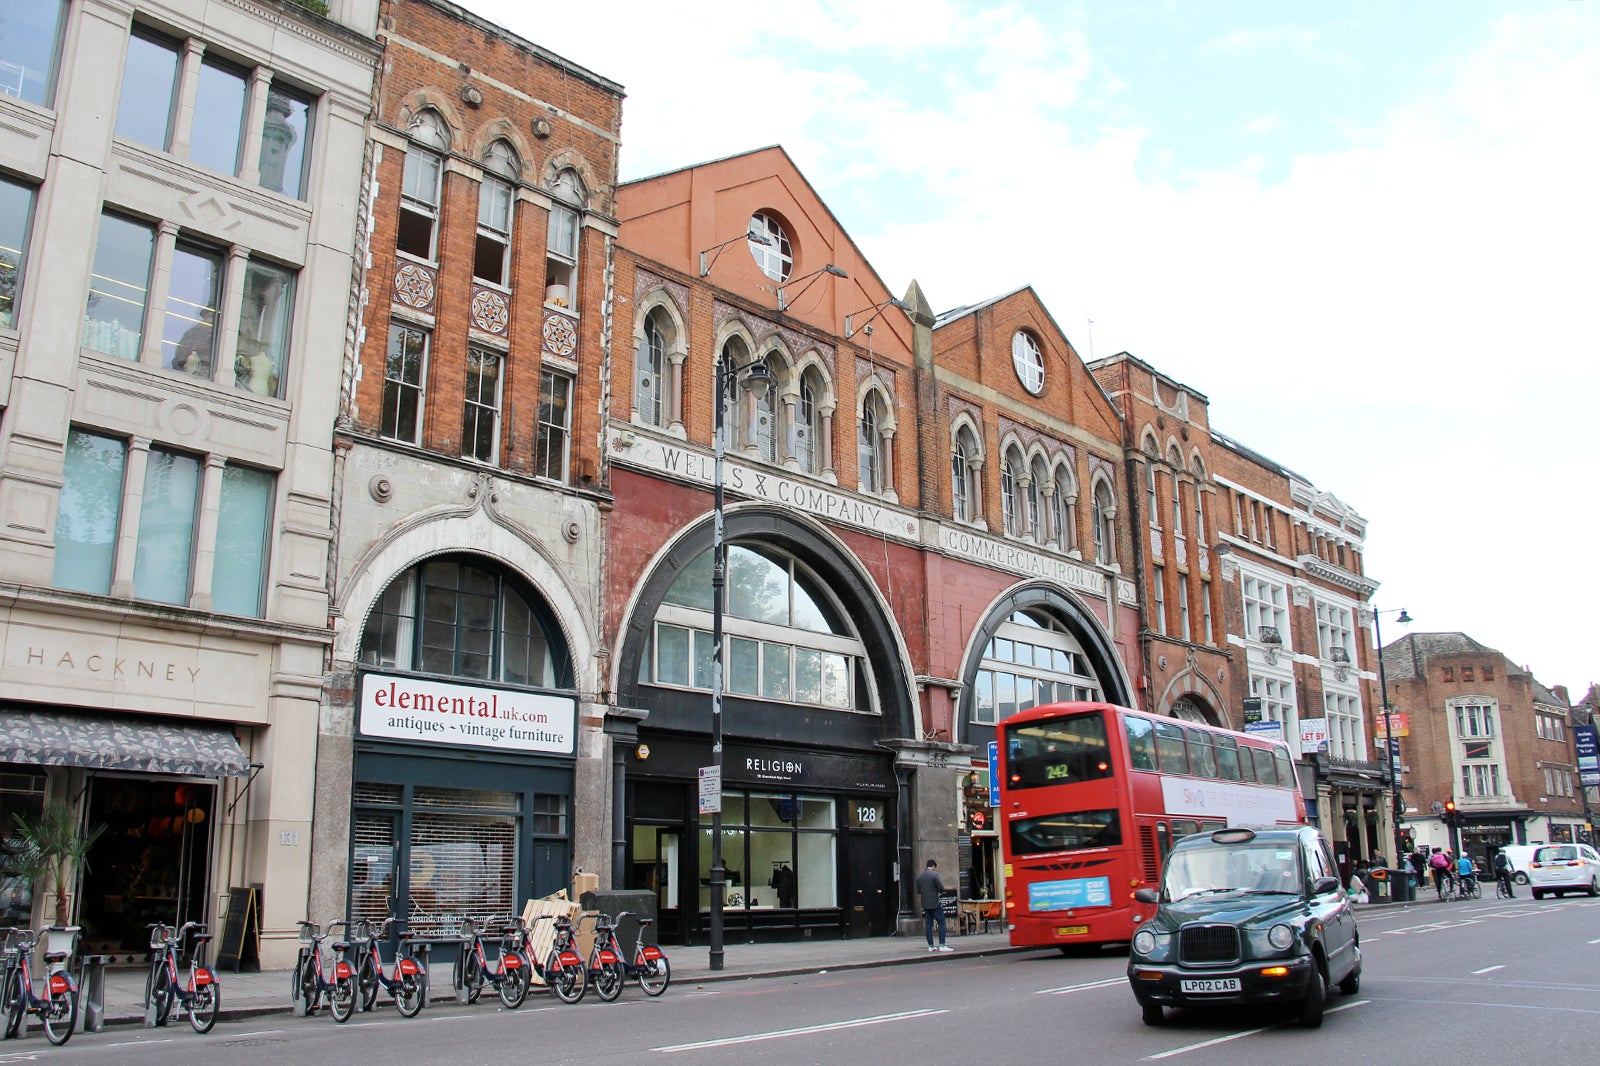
column 372, row 865
column 367, row 794
column 466, row 799
column 1208, row 943
column 461, row 866
column 1147, row 853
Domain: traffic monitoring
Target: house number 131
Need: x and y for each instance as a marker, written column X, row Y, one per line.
column 289, row 838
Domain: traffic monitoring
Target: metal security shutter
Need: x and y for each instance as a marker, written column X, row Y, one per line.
column 463, row 855
column 373, row 860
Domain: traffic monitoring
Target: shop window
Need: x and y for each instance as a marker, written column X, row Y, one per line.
column 458, row 618
column 21, row 795
column 16, row 214
column 780, row 851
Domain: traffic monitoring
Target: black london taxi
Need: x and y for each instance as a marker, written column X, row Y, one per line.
column 1246, row 916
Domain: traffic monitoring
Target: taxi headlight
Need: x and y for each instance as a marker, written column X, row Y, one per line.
column 1144, row 942
column 1280, row 936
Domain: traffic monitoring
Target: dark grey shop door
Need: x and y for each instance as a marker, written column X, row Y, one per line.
column 868, row 895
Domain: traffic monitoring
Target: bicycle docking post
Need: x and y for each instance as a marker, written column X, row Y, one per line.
column 92, row 991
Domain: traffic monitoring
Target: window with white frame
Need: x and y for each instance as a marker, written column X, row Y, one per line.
column 1066, row 510
column 764, row 430
column 1266, row 606
column 648, row 371
column 480, row 420
column 1010, row 493
column 960, row 484
column 769, row 246
column 1205, row 612
column 1105, row 524
column 1037, row 479
column 1183, row 607
column 1346, row 729
column 553, row 434
column 808, row 420
column 405, row 374
column 1150, row 495
column 1335, row 632
column 1031, row 660
column 1277, row 702
column 1480, row 779
column 420, row 185
column 491, row 255
column 1176, row 462
column 561, row 258
column 1199, row 503
column 1158, row 599
column 1474, row 720
column 1028, row 361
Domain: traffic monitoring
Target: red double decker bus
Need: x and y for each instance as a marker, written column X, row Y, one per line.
column 1093, row 796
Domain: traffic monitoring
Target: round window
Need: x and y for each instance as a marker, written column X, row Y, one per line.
column 769, row 244
column 1028, row 360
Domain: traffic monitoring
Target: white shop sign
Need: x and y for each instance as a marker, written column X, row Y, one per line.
column 437, row 712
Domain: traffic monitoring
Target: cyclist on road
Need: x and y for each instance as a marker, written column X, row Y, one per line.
column 1439, row 864
column 1465, row 871
column 1502, row 873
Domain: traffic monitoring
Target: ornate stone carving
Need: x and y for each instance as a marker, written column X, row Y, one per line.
column 414, row 286
column 560, row 335
column 490, row 312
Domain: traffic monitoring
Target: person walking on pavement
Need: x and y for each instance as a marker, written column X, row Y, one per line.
column 928, row 888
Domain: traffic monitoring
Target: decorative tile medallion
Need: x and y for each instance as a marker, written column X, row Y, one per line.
column 414, row 285
column 560, row 335
column 489, row 311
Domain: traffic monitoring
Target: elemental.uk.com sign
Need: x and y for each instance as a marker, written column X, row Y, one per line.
column 437, row 712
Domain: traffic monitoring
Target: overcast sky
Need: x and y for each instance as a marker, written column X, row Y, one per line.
column 1367, row 231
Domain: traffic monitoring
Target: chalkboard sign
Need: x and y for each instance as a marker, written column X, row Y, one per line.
column 241, row 930
column 949, row 901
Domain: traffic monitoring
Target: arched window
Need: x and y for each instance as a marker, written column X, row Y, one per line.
column 1105, row 527
column 960, row 486
column 561, row 256
column 1032, row 659
column 649, row 371
column 420, row 185
column 1199, row 501
column 735, row 354
column 764, row 428
column 786, row 638
column 1010, row 492
column 1064, row 511
column 1038, row 481
column 808, row 421
column 491, row 260
column 871, row 446
column 458, row 616
column 1176, row 462
column 769, row 245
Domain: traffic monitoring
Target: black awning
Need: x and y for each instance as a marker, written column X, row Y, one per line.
column 101, row 742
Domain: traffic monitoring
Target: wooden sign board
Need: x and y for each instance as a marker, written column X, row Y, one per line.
column 240, row 944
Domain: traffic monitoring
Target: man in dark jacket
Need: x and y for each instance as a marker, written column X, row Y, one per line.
column 928, row 888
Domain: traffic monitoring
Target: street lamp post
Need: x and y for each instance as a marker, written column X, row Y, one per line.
column 1391, row 742
column 727, row 379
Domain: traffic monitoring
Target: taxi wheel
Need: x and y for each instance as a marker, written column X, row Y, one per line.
column 1316, row 996
column 1153, row 1014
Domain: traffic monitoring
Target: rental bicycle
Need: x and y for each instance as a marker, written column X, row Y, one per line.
column 563, row 970
column 508, row 973
column 57, row 1007
column 312, row 983
column 164, row 991
column 608, row 969
column 407, row 984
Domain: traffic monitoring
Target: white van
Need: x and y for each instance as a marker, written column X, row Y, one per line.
column 1519, row 856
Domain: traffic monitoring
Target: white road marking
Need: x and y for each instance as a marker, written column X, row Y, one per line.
column 1489, row 969
column 1248, row 1032
column 779, row 1034
column 1110, row 983
column 1594, row 941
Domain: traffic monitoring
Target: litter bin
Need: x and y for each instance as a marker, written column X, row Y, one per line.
column 1401, row 888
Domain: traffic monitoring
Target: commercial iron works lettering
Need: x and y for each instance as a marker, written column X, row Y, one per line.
column 442, row 713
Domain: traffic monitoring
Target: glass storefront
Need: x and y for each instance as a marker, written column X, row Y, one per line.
column 780, row 851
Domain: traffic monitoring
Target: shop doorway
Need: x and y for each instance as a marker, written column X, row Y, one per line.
column 658, row 866
column 870, row 896
column 152, row 863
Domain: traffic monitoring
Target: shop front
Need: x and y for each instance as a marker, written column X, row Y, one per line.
column 461, row 799
column 149, row 790
column 805, row 840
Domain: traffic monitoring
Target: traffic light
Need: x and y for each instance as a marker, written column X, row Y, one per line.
column 1450, row 812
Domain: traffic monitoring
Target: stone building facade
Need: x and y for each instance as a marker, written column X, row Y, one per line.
column 180, row 196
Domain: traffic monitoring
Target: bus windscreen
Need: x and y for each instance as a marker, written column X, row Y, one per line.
column 1064, row 832
column 1057, row 751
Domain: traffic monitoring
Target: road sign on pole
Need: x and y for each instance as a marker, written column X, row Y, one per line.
column 710, row 790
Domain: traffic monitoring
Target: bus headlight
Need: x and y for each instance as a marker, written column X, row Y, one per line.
column 1144, row 942
column 1280, row 936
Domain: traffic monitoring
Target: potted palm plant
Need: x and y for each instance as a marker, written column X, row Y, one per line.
column 46, row 850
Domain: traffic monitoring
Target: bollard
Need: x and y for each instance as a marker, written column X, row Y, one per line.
column 92, row 991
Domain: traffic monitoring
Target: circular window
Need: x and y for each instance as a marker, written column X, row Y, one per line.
column 1025, row 356
column 769, row 244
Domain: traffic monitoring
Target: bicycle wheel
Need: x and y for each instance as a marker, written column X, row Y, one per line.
column 565, row 981
column 514, row 983
column 342, row 998
column 60, row 1014
column 654, row 975
column 160, row 997
column 368, row 981
column 13, row 1003
column 608, row 978
column 469, row 973
column 409, row 996
column 310, row 990
column 204, row 1005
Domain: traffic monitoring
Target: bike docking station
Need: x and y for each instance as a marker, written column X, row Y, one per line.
column 92, row 993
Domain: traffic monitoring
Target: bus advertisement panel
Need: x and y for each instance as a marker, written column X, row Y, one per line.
column 1093, row 796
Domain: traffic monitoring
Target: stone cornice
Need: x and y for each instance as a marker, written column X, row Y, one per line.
column 1315, row 566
